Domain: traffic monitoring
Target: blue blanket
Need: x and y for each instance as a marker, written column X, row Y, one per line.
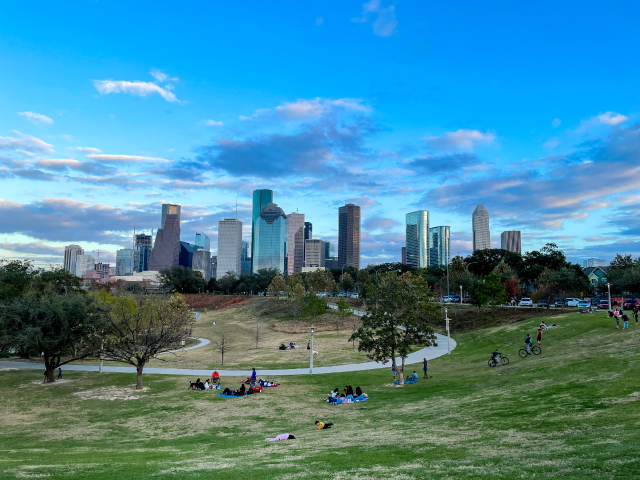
column 406, row 382
column 361, row 398
column 231, row 396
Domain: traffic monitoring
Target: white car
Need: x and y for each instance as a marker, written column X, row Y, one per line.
column 584, row 304
column 573, row 302
column 447, row 299
column 525, row 302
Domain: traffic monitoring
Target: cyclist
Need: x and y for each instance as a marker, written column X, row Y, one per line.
column 528, row 342
column 495, row 355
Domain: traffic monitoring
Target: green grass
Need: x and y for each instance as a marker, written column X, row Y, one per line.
column 572, row 412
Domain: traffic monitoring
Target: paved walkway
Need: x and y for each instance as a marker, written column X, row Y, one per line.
column 416, row 357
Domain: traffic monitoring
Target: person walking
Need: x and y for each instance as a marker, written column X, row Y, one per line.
column 635, row 313
column 616, row 314
column 539, row 337
column 253, row 377
column 425, row 368
column 59, row 373
column 625, row 321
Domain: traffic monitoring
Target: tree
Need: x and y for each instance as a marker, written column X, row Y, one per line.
column 346, row 282
column 512, row 288
column 319, row 280
column 263, row 278
column 16, row 278
column 63, row 328
column 456, row 265
column 504, row 271
column 276, row 286
column 257, row 334
column 314, row 305
column 181, row 279
column 483, row 262
column 297, row 297
column 222, row 345
column 401, row 322
column 491, row 289
column 228, row 282
column 137, row 333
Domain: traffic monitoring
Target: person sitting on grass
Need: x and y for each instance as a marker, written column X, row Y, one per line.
column 358, row 391
column 413, row 377
column 323, row 426
column 242, row 391
column 206, row 384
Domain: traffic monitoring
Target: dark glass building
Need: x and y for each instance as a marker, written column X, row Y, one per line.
column 186, row 254
column 271, row 232
column 349, row 236
column 143, row 246
column 308, row 230
column 261, row 198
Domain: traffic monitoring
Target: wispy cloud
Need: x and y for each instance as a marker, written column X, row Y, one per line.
column 305, row 109
column 26, row 143
column 161, row 76
column 382, row 19
column 462, row 139
column 127, row 159
column 36, row 118
column 213, row 123
column 140, row 89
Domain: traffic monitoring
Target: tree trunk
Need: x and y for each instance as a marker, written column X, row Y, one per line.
column 400, row 373
column 50, row 369
column 139, row 368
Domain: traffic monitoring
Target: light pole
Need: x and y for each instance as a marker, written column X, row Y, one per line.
column 609, row 290
column 311, row 356
column 101, row 354
column 342, row 278
column 448, row 334
column 460, row 294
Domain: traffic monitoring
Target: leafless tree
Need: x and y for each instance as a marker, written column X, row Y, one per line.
column 354, row 329
column 222, row 345
column 257, row 334
column 136, row 334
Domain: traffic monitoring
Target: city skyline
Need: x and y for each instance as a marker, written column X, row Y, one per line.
column 96, row 135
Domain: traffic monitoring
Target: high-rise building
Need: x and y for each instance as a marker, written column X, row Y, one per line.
column 166, row 250
column 201, row 262
column 308, row 230
column 296, row 243
column 271, row 233
column 403, row 256
column 314, row 253
column 439, row 245
column 480, row 225
column 144, row 245
column 83, row 264
column 261, row 198
column 169, row 209
column 203, row 241
column 594, row 262
column 328, row 250
column 229, row 247
column 511, row 240
column 214, row 266
column 349, row 236
column 185, row 259
column 245, row 259
column 71, row 253
column 417, row 239
column 126, row 262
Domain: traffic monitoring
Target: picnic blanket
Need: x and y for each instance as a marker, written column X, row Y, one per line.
column 406, row 382
column 342, row 400
column 231, row 396
column 269, row 386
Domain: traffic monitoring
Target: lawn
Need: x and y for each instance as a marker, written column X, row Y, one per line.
column 572, row 412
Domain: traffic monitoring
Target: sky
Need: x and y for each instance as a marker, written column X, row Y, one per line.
column 109, row 109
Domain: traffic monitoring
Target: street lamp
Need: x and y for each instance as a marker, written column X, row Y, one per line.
column 101, row 353
column 448, row 334
column 460, row 294
column 311, row 356
column 609, row 290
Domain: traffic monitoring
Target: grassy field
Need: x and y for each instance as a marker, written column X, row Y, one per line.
column 571, row 412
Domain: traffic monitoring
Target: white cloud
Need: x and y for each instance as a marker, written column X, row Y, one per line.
column 56, row 163
column 86, row 150
column 551, row 143
column 612, row 118
column 306, row 109
column 36, row 118
column 383, row 19
column 161, row 76
column 556, row 122
column 25, row 153
column 26, row 142
column 462, row 139
column 141, row 89
column 213, row 123
column 127, row 159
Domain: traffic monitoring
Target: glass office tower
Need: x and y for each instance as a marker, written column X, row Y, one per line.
column 417, row 239
column 143, row 246
column 261, row 198
column 271, row 232
column 126, row 262
column 203, row 241
column 439, row 243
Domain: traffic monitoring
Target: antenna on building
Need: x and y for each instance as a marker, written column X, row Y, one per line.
column 236, row 205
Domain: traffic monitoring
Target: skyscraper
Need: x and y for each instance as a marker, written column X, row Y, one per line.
column 214, row 266
column 169, row 209
column 143, row 246
column 314, row 253
column 328, row 250
column 511, row 240
column 417, row 239
column 296, row 243
column 271, row 233
column 229, row 247
column 201, row 262
column 349, row 236
column 126, row 262
column 83, row 264
column 480, row 225
column 203, row 241
column 166, row 250
column 245, row 258
column 71, row 252
column 187, row 250
column 439, row 246
column 261, row 198
column 403, row 256
column 308, row 230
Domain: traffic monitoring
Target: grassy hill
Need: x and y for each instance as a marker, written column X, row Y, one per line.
column 572, row 412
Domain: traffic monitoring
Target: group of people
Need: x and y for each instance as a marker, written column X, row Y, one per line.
column 347, row 395
column 243, row 390
column 619, row 314
column 198, row 385
column 528, row 341
column 291, row 346
column 425, row 370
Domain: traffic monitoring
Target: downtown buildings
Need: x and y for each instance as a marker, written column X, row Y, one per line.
column 349, row 236
column 229, row 258
column 511, row 241
column 425, row 246
column 480, row 228
column 71, row 253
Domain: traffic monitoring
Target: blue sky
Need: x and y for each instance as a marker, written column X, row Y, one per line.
column 108, row 109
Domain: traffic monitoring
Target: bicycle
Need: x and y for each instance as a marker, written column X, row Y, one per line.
column 494, row 362
column 535, row 350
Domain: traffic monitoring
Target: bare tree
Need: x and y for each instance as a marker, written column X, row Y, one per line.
column 138, row 333
column 354, row 329
column 222, row 345
column 257, row 334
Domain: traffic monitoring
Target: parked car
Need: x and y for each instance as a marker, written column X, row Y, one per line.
column 604, row 304
column 561, row 302
column 525, row 302
column 447, row 299
column 543, row 304
column 573, row 302
column 584, row 304
column 629, row 303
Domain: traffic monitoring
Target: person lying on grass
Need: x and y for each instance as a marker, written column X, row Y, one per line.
column 282, row 436
column 323, row 426
column 266, row 383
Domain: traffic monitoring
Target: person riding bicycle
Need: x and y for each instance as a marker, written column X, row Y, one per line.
column 528, row 342
column 495, row 355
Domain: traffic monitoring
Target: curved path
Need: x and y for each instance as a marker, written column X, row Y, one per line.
column 203, row 342
column 416, row 357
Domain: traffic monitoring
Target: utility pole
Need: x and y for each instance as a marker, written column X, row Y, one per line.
column 311, row 352
column 448, row 334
